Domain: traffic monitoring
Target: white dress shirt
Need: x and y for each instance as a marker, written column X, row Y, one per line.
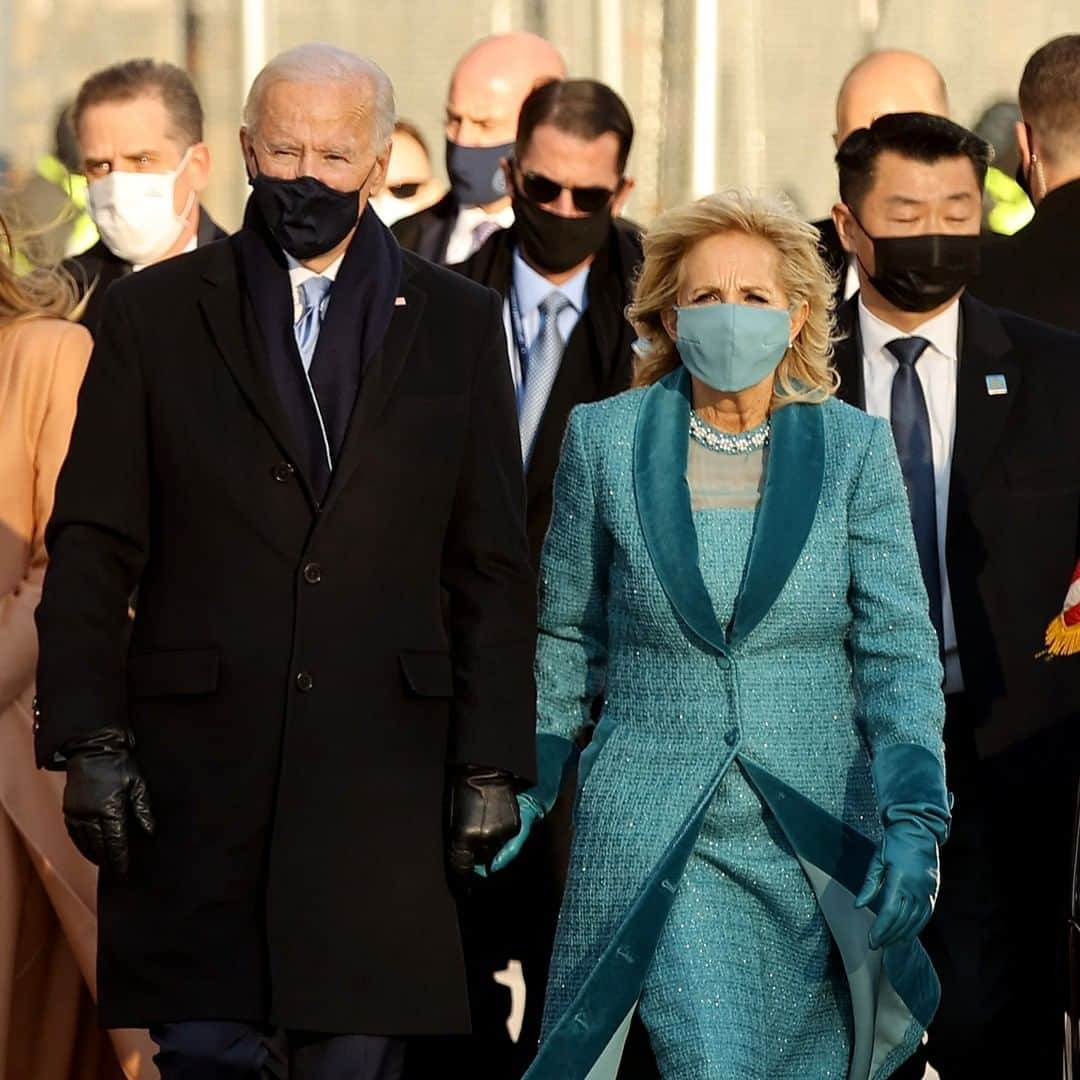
column 460, row 245
column 936, row 369
column 530, row 289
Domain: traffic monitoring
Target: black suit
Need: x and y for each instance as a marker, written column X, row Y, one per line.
column 513, row 915
column 97, row 268
column 1037, row 271
column 596, row 363
column 295, row 691
column 832, row 251
column 1012, row 539
column 428, row 232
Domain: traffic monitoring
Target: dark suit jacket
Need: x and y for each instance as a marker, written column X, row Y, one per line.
column 1013, row 531
column 1037, row 271
column 832, row 251
column 596, row 364
column 295, row 692
column 428, row 232
column 97, row 268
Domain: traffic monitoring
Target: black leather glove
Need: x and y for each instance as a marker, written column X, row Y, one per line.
column 103, row 788
column 483, row 816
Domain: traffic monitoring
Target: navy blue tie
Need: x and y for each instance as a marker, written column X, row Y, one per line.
column 911, row 430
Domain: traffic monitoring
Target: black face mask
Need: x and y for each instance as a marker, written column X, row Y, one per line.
column 555, row 243
column 920, row 273
column 304, row 216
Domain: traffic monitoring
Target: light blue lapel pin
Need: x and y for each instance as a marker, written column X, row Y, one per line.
column 996, row 385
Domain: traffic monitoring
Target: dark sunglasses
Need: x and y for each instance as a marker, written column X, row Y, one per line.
column 404, row 191
column 542, row 189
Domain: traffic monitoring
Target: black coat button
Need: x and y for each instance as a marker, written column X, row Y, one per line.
column 304, row 682
column 282, row 472
column 313, row 573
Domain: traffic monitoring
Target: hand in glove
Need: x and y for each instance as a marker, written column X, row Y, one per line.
column 530, row 812
column 103, row 791
column 905, row 872
column 483, row 816
column 915, row 810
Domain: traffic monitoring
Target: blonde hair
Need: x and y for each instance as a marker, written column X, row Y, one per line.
column 44, row 291
column 805, row 372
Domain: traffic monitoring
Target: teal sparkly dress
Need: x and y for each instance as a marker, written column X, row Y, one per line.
column 758, row 631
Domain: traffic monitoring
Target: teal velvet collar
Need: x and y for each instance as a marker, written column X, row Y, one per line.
column 793, row 478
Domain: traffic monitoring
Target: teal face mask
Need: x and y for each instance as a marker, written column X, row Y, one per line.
column 732, row 346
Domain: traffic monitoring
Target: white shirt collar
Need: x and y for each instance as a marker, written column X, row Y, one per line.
column 942, row 331
column 191, row 245
column 531, row 288
column 298, row 274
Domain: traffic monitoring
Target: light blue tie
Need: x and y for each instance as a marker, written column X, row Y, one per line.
column 313, row 296
column 545, row 356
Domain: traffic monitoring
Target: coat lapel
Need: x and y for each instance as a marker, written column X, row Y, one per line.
column 795, row 469
column 223, row 306
column 793, row 476
column 985, row 349
column 379, row 381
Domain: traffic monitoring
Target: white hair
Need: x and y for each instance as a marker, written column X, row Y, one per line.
column 316, row 63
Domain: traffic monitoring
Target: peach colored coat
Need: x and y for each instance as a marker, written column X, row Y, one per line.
column 48, row 925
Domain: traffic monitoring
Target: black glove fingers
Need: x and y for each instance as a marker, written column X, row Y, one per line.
column 139, row 799
column 115, row 837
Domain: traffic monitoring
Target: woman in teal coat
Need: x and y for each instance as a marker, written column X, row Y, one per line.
column 731, row 570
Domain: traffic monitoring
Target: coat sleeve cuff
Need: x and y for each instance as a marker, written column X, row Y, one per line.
column 910, row 784
column 554, row 755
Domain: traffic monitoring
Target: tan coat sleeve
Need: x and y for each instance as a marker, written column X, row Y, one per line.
column 66, row 349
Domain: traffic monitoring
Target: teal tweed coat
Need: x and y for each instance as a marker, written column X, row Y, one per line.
column 752, row 665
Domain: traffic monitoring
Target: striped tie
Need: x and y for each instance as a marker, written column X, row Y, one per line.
column 545, row 355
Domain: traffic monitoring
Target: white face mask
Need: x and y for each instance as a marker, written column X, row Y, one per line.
column 390, row 209
column 135, row 214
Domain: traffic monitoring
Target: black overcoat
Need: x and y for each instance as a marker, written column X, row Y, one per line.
column 295, row 690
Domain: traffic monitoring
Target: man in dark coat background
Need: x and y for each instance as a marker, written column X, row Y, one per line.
column 568, row 182
column 1037, row 271
column 139, row 127
column 299, row 444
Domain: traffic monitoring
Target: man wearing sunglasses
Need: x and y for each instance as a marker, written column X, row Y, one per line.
column 409, row 186
column 564, row 269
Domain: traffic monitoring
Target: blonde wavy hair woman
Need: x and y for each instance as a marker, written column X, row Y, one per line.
column 47, row 901
column 730, row 582
column 804, row 373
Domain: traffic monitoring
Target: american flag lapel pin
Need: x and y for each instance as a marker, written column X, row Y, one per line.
column 996, row 385
column 399, row 301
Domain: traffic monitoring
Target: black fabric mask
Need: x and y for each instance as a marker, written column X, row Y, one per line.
column 304, row 216
column 476, row 174
column 555, row 243
column 920, row 273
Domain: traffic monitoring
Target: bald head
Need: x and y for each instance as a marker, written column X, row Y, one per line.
column 490, row 83
column 888, row 81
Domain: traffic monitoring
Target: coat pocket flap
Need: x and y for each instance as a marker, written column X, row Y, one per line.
column 178, row 671
column 428, row 674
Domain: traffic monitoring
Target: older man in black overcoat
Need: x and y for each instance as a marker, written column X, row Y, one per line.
column 300, row 446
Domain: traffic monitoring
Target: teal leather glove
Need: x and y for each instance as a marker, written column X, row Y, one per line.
column 554, row 755
column 903, row 875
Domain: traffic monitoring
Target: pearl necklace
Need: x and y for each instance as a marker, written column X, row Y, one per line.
column 723, row 442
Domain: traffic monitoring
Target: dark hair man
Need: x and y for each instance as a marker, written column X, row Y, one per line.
column 316, row 490
column 483, row 100
column 982, row 403
column 884, row 81
column 1037, row 271
column 139, row 126
column 564, row 270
